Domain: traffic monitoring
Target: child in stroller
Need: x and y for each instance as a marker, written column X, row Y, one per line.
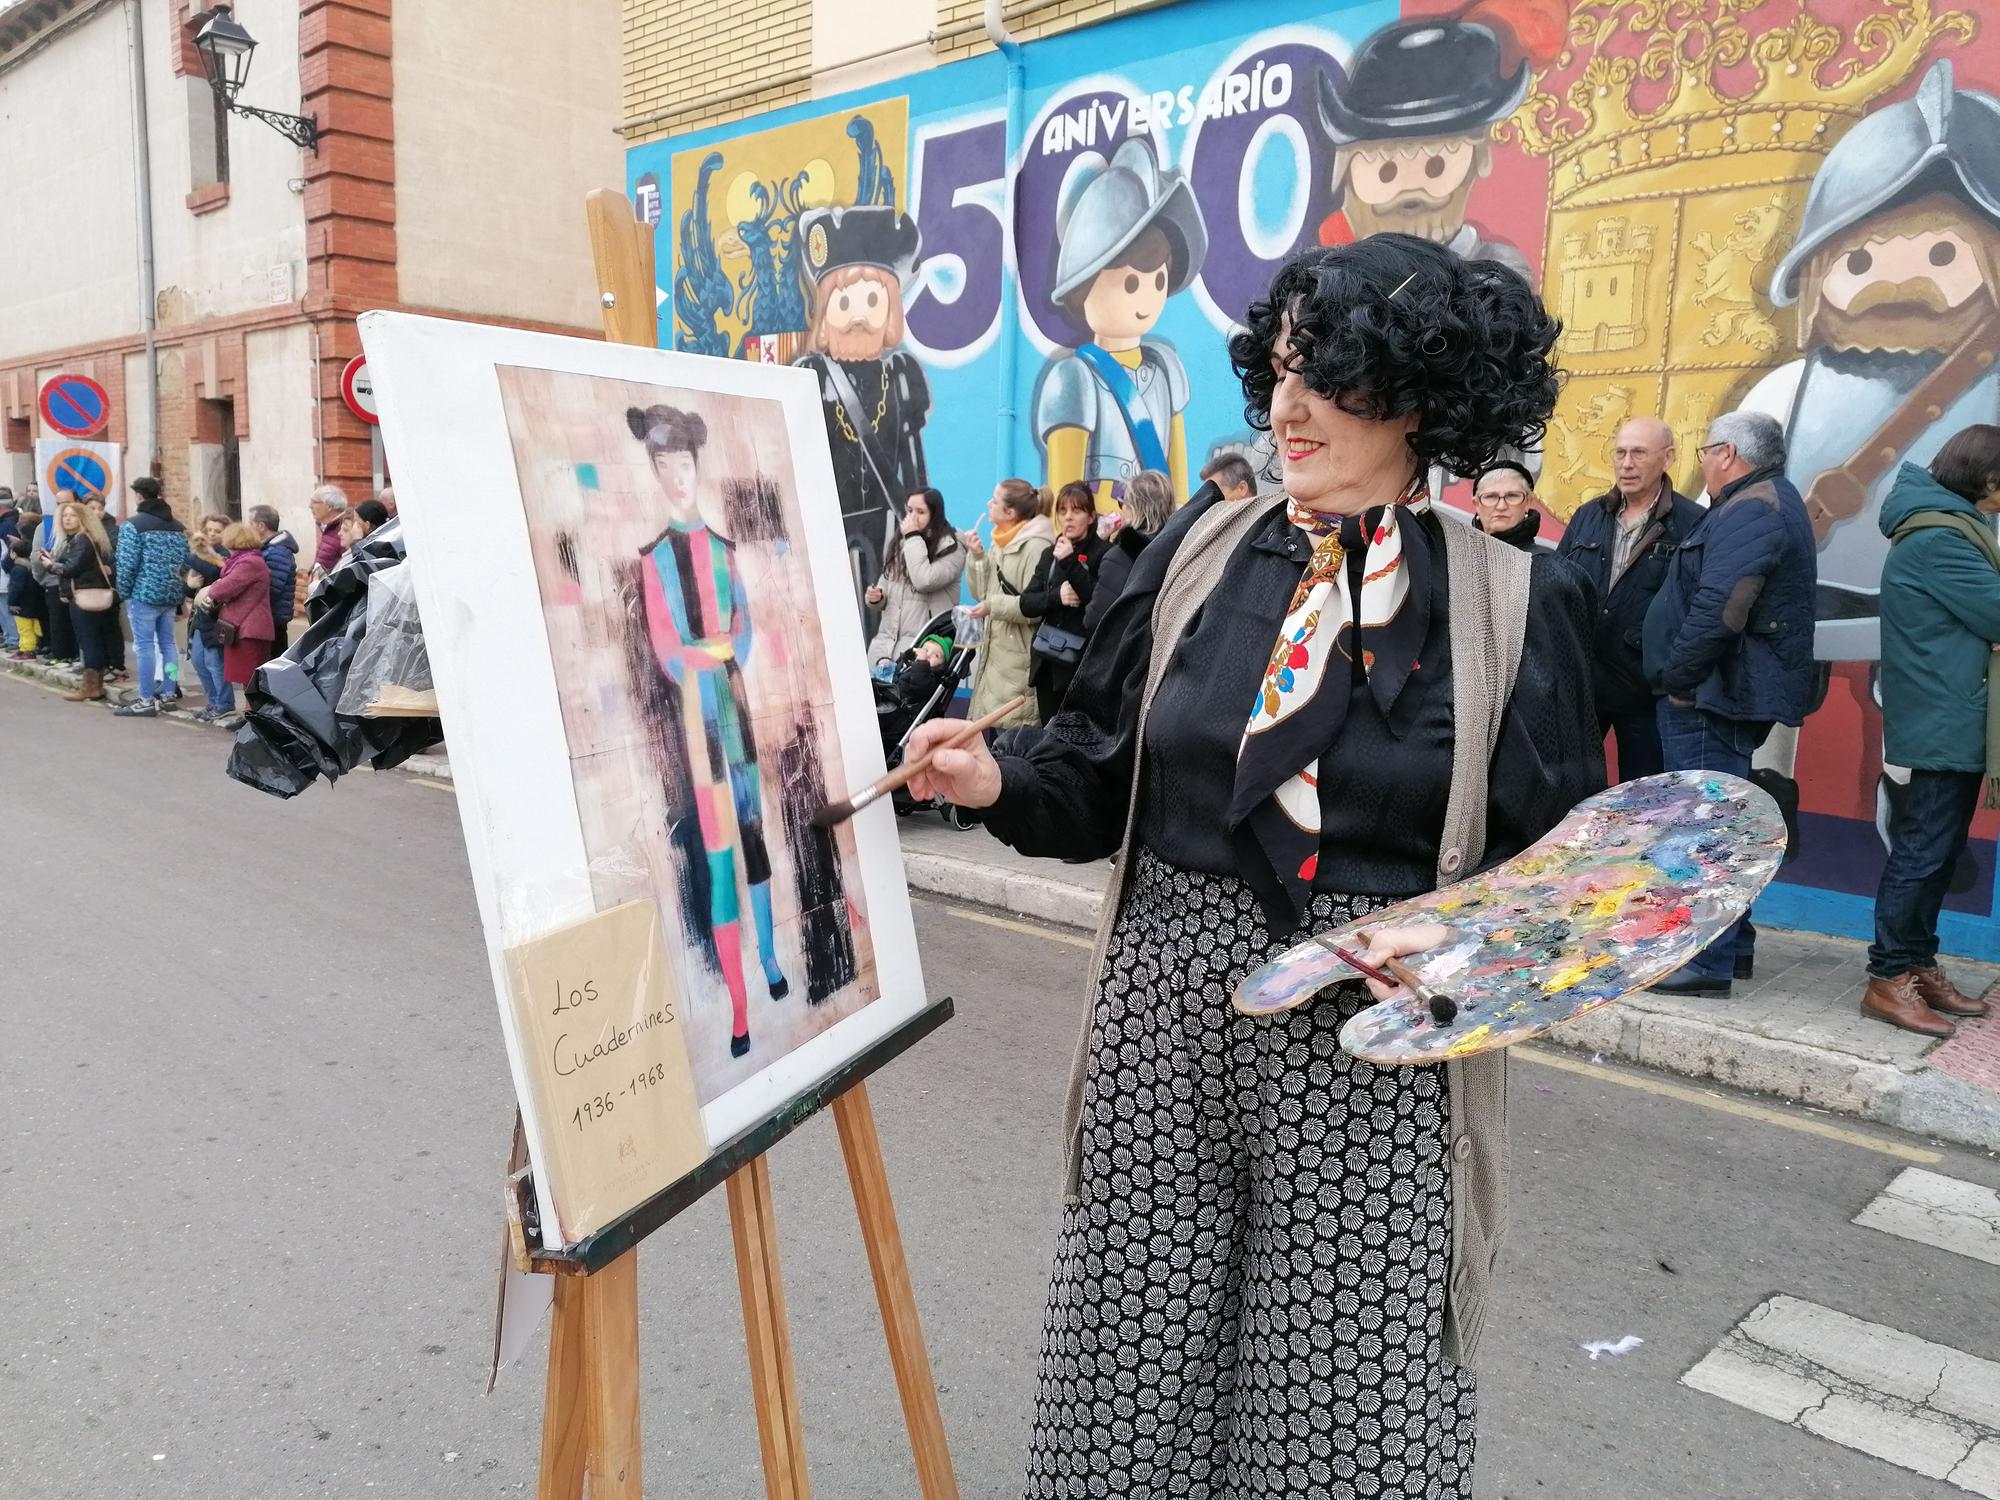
column 923, row 683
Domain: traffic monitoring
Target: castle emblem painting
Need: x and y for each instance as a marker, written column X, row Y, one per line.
column 637, row 602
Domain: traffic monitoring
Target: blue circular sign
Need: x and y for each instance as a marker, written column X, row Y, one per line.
column 75, row 406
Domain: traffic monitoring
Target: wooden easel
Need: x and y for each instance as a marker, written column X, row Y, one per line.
column 590, row 1422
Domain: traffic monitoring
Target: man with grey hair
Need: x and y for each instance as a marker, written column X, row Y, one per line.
column 1230, row 472
column 1729, row 638
column 1625, row 540
column 329, row 508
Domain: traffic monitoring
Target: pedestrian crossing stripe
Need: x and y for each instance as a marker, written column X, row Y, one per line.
column 1932, row 1209
column 1926, row 1407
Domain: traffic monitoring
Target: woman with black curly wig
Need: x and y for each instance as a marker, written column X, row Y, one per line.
column 1274, row 1264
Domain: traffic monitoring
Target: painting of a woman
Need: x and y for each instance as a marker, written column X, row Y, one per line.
column 699, row 628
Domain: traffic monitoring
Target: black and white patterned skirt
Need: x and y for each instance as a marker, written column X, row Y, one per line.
column 1249, row 1294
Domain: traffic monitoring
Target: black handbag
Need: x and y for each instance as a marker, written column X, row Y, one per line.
column 1053, row 643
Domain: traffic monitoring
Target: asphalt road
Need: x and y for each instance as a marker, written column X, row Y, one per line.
column 255, row 1110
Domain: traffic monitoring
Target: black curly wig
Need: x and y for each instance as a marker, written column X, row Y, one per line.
column 1395, row 326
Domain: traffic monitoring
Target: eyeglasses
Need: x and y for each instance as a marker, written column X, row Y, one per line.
column 1709, row 448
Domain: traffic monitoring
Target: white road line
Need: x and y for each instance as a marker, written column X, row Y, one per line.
column 1932, row 1209
column 1920, row 1405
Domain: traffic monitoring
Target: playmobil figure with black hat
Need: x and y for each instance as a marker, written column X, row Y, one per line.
column 1412, row 124
column 873, row 392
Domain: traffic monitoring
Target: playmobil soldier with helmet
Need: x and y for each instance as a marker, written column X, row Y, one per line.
column 874, row 393
column 1896, row 272
column 1131, row 236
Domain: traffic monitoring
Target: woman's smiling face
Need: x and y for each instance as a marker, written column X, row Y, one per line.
column 1333, row 460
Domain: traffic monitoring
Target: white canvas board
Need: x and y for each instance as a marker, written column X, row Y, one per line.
column 463, row 406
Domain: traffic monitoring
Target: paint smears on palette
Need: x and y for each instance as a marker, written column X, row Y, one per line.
column 1630, row 886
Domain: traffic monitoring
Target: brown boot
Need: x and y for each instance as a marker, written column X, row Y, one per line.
column 89, row 690
column 1897, row 1002
column 1937, row 991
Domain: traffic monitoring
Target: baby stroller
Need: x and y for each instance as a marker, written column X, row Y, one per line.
column 905, row 699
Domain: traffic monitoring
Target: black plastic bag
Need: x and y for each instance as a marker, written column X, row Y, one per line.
column 291, row 734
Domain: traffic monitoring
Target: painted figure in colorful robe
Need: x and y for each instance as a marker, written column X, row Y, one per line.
column 1896, row 271
column 875, row 397
column 1131, row 236
column 699, row 629
column 1412, row 124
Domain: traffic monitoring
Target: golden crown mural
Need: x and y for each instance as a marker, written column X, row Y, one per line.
column 1681, row 137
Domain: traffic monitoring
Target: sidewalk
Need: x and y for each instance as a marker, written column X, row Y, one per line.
column 115, row 693
column 1795, row 1031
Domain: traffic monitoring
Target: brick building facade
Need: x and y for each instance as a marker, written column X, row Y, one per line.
column 690, row 64
column 457, row 139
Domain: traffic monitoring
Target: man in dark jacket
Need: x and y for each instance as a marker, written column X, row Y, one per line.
column 1503, row 502
column 281, row 558
column 1623, row 540
column 1729, row 639
column 150, row 550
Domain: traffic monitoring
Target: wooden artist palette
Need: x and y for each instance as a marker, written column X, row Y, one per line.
column 1627, row 888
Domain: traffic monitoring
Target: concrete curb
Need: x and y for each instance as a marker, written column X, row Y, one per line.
column 1031, row 896
column 116, row 694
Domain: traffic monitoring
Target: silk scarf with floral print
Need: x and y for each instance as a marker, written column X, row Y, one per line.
column 1366, row 591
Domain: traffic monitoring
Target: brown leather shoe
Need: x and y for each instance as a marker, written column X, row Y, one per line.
column 89, row 690
column 1897, row 1002
column 1937, row 991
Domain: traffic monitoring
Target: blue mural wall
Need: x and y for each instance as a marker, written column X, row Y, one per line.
column 1030, row 271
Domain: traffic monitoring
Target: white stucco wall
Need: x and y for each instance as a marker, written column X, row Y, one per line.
column 67, row 275
column 495, row 148
column 846, row 29
column 69, row 232
column 250, row 253
column 138, row 416
column 277, row 460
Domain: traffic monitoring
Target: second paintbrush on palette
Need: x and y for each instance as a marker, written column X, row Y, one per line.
column 1626, row 889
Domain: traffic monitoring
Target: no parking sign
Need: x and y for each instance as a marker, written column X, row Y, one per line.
column 75, row 406
column 86, row 468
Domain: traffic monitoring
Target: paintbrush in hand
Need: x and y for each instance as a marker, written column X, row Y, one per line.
column 840, row 812
column 1444, row 1009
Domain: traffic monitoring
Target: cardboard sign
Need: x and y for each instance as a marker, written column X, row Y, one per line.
column 610, row 1098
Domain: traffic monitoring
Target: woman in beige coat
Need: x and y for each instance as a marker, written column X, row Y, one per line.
column 1021, row 534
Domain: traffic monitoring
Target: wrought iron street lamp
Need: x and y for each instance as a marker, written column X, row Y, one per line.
column 225, row 49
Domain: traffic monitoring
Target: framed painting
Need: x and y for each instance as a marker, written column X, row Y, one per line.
column 634, row 582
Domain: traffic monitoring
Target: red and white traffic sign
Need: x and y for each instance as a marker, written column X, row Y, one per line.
column 75, row 406
column 358, row 391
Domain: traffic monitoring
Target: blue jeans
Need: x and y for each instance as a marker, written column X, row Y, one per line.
column 1691, row 740
column 207, row 661
column 1926, row 834
column 10, row 633
column 153, row 634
